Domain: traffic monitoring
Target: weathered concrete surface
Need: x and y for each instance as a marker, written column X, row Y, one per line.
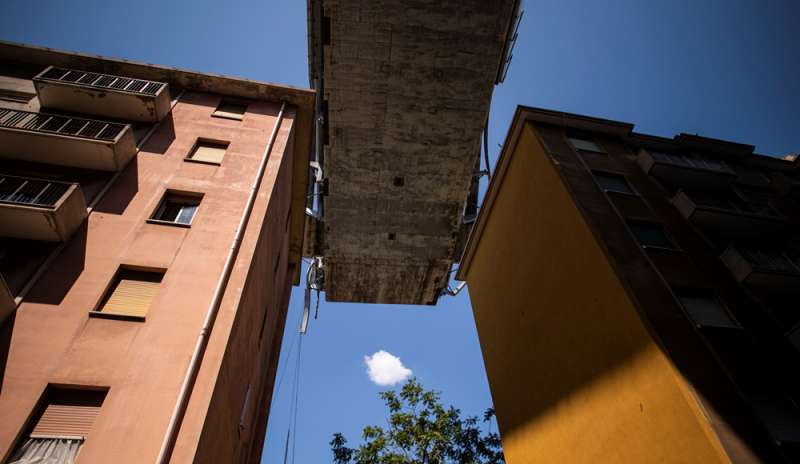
column 408, row 84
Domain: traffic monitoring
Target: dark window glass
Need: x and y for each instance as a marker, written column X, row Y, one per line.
column 650, row 234
column 705, row 309
column 612, row 182
column 230, row 110
column 585, row 144
column 179, row 209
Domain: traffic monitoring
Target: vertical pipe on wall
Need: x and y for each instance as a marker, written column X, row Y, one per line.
column 211, row 314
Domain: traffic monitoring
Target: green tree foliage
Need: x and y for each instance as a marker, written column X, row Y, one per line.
column 420, row 430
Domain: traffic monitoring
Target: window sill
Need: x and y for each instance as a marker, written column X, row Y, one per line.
column 115, row 316
column 225, row 116
column 212, row 163
column 168, row 223
column 661, row 248
column 620, row 192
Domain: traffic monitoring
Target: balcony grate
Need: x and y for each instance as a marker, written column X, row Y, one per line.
column 732, row 202
column 72, row 76
column 54, row 123
column 73, row 126
column 13, row 118
column 31, row 192
column 690, row 161
column 54, row 73
column 105, row 81
column 136, row 86
column 49, row 123
column 111, row 131
column 88, row 78
column 120, row 83
column 36, row 121
column 101, row 81
column 152, row 88
column 93, row 129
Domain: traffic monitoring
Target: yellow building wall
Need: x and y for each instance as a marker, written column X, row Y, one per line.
column 574, row 374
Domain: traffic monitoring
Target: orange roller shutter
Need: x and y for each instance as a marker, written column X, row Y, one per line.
column 209, row 152
column 132, row 293
column 68, row 413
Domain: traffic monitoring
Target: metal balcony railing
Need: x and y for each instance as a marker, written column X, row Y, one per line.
column 61, row 125
column 101, row 81
column 735, row 204
column 31, row 192
column 697, row 162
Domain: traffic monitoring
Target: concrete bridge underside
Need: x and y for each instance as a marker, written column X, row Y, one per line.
column 406, row 86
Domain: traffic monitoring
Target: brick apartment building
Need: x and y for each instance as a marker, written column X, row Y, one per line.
column 636, row 296
column 151, row 225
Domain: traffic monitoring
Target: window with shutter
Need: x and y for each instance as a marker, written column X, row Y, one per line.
column 65, row 418
column 208, row 152
column 131, row 294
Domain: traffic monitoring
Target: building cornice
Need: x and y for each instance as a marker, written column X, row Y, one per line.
column 525, row 114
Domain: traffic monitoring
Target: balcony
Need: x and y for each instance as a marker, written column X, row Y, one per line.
column 7, row 303
column 794, row 336
column 728, row 215
column 65, row 141
column 763, row 270
column 687, row 171
column 102, row 94
column 37, row 209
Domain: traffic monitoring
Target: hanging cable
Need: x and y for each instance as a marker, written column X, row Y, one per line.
column 296, row 392
column 286, row 447
column 288, row 356
column 314, row 280
column 293, row 396
column 486, row 145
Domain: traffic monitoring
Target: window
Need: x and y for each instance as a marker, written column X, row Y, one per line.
column 585, row 144
column 15, row 96
column 177, row 208
column 650, row 234
column 704, row 309
column 130, row 294
column 63, row 420
column 230, row 110
column 612, row 182
column 206, row 151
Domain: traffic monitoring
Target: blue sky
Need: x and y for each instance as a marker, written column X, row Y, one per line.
column 724, row 69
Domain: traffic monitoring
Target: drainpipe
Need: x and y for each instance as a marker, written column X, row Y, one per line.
column 213, row 308
column 57, row 250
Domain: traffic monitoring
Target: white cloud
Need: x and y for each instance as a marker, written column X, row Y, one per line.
column 386, row 369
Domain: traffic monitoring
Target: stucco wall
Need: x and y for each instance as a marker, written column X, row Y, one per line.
column 53, row 340
column 575, row 375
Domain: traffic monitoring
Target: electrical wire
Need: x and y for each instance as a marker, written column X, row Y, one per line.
column 486, row 145
column 286, row 360
column 296, row 400
column 294, row 395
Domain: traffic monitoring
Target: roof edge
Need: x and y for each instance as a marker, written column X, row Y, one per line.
column 185, row 79
column 524, row 114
